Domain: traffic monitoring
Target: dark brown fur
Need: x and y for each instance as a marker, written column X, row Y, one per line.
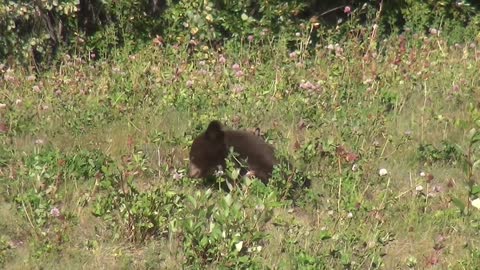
column 210, row 149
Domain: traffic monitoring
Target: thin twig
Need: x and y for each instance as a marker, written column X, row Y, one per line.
column 333, row 9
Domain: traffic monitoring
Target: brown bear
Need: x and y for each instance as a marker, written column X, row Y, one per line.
column 210, row 149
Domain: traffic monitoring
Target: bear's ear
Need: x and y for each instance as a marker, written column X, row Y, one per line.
column 214, row 131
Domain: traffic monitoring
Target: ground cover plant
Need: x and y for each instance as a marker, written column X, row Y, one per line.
column 94, row 150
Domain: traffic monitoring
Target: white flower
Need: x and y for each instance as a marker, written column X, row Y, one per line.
column 422, row 174
column 419, row 188
column 177, row 175
column 219, row 172
column 250, row 174
column 382, row 172
column 476, row 203
column 238, row 246
column 355, row 167
column 39, row 141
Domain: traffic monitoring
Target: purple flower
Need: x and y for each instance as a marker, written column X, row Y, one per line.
column 307, row 85
column 9, row 75
column 300, row 65
column 347, row 10
column 239, row 74
column 250, row 38
column 55, row 212
column 237, row 89
column 236, row 67
column 222, row 59
column 456, row 88
column 203, row 72
column 338, row 49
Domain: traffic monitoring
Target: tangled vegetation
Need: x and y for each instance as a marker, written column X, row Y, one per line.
column 378, row 106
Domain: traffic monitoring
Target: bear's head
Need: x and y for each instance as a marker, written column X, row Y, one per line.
column 208, row 151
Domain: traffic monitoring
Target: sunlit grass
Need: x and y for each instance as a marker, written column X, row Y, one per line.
column 143, row 111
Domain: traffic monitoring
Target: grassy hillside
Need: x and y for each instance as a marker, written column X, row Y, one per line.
column 93, row 158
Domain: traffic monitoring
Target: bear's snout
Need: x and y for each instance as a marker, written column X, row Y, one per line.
column 194, row 171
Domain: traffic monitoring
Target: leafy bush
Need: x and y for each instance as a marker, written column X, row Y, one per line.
column 457, row 19
column 45, row 173
column 4, row 249
column 216, row 20
column 227, row 231
column 32, row 32
column 137, row 215
column 448, row 153
column 5, row 155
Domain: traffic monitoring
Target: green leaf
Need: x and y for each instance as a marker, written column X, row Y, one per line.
column 192, row 200
column 475, row 138
column 325, row 235
column 228, row 199
column 229, row 185
column 235, row 173
column 204, row 242
column 475, row 190
column 459, row 203
column 475, row 163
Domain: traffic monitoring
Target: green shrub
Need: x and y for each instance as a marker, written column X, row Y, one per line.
column 227, row 231
column 32, row 32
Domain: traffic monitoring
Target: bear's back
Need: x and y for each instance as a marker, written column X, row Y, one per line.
column 259, row 154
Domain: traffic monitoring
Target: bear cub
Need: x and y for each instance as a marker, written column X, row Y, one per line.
column 210, row 149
